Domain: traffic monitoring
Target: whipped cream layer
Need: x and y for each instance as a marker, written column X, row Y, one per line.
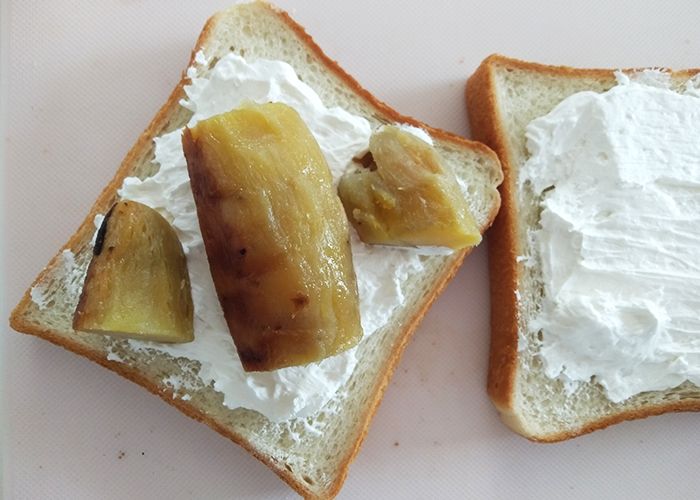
column 291, row 392
column 620, row 236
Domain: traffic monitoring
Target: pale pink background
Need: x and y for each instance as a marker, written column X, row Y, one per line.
column 81, row 79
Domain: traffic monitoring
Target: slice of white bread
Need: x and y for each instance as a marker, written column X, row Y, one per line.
column 503, row 97
column 313, row 465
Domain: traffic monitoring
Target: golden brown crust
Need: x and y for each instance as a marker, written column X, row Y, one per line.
column 144, row 148
column 649, row 411
column 393, row 360
column 367, row 96
column 504, row 268
column 513, row 420
column 481, row 105
column 164, row 393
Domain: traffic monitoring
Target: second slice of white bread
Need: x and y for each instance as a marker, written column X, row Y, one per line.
column 314, row 465
column 503, row 96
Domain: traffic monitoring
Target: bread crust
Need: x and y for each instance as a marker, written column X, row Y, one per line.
column 504, row 247
column 481, row 100
column 162, row 123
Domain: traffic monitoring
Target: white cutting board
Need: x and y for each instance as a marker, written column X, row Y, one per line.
column 79, row 82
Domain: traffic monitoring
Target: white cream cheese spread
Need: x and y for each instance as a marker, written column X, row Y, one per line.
column 619, row 242
column 290, row 392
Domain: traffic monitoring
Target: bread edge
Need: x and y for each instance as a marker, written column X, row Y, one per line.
column 504, row 270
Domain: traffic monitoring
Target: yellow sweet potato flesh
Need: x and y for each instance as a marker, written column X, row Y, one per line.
column 137, row 284
column 408, row 196
column 276, row 236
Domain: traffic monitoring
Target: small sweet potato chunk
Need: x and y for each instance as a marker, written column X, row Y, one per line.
column 407, row 195
column 137, row 284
